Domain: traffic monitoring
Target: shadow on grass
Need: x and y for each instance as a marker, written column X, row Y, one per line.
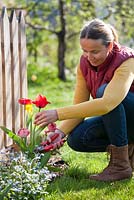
column 77, row 179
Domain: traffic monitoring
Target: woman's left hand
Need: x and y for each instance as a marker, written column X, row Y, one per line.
column 45, row 117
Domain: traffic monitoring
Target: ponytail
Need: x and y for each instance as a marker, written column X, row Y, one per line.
column 114, row 32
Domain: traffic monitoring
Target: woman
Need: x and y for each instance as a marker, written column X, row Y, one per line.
column 105, row 72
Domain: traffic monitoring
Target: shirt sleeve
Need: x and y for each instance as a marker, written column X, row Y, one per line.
column 115, row 92
column 81, row 94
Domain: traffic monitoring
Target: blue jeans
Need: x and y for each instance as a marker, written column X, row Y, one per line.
column 96, row 133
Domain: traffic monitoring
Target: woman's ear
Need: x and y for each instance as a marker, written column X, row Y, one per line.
column 110, row 46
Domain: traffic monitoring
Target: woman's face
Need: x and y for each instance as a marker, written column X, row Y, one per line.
column 95, row 51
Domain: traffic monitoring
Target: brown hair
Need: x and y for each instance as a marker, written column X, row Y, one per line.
column 97, row 29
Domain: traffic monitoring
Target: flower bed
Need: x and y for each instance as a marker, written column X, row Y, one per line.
column 24, row 173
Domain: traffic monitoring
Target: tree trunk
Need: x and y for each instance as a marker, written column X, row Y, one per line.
column 61, row 57
column 61, row 43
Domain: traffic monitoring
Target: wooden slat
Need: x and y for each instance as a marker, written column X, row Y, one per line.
column 6, row 75
column 22, row 61
column 1, row 96
column 15, row 74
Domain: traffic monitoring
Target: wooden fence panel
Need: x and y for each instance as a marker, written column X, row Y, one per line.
column 13, row 73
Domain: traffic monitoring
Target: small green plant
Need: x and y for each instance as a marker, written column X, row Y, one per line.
column 5, row 191
column 23, row 179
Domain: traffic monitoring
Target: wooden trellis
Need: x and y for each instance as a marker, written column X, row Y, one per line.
column 13, row 73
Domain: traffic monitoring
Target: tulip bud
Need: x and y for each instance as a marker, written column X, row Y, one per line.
column 23, row 132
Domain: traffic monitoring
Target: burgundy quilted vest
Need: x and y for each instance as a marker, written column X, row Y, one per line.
column 105, row 71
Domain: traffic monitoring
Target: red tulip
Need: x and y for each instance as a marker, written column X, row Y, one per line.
column 25, row 101
column 40, row 101
column 23, row 132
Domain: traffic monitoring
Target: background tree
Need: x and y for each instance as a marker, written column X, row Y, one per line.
column 59, row 18
column 53, row 27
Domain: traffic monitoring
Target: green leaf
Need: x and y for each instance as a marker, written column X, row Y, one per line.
column 40, row 129
column 31, row 133
column 54, row 169
column 5, row 191
column 44, row 159
column 15, row 138
column 37, row 139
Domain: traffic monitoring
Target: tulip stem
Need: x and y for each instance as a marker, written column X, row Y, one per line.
column 34, row 142
column 24, row 116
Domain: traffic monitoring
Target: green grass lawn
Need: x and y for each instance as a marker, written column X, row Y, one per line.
column 75, row 184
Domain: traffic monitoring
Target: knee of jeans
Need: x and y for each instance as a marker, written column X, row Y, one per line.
column 100, row 91
column 72, row 142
